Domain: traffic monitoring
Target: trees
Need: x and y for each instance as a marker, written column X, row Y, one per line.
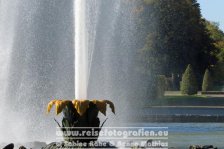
column 217, row 36
column 177, row 36
column 189, row 82
column 207, row 81
column 172, row 34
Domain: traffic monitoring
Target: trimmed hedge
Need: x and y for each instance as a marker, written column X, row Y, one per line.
column 212, row 92
column 207, row 81
column 189, row 82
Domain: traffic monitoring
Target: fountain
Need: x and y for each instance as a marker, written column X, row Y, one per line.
column 37, row 42
column 81, row 52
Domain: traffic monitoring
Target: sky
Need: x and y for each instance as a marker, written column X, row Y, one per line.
column 213, row 10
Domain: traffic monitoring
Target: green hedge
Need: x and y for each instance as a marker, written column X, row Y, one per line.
column 189, row 82
column 207, row 81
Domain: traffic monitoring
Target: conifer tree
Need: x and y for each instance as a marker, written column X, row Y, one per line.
column 189, row 82
column 207, row 81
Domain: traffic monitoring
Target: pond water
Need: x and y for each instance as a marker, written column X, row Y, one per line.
column 184, row 111
column 182, row 135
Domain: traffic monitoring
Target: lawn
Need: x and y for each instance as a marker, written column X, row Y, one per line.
column 176, row 99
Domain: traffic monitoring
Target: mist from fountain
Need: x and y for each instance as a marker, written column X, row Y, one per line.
column 37, row 65
column 111, row 37
column 60, row 49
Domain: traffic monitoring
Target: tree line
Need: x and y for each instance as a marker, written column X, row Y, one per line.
column 173, row 34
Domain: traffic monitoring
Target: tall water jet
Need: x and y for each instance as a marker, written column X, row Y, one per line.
column 81, row 52
column 103, row 43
